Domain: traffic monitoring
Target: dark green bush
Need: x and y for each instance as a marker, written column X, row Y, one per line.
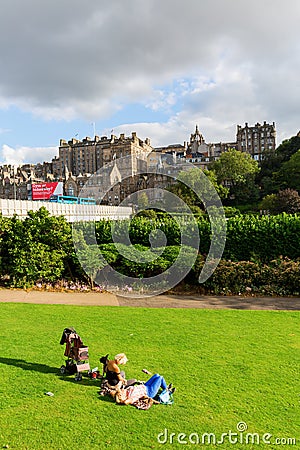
column 280, row 277
column 262, row 238
column 261, row 253
column 35, row 249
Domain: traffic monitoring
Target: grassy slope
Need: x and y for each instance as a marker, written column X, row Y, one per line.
column 228, row 366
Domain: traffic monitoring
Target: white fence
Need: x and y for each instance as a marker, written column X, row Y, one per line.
column 72, row 213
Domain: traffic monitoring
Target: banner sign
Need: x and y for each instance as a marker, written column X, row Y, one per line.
column 43, row 191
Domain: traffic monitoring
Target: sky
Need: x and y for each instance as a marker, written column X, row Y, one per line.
column 74, row 68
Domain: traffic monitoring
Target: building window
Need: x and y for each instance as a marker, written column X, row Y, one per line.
column 71, row 190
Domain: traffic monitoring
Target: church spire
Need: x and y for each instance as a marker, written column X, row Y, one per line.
column 197, row 137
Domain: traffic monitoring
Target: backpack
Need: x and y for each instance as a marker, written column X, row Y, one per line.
column 165, row 397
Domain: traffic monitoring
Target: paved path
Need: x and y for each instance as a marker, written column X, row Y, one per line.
column 161, row 301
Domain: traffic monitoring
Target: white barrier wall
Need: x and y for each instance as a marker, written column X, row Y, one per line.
column 72, row 213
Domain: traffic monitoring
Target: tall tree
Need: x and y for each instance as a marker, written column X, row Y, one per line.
column 234, row 167
column 191, row 181
column 237, row 170
column 35, row 249
column 287, row 201
column 272, row 162
column 288, row 175
column 288, row 147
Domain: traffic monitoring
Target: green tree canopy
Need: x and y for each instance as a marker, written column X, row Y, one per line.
column 287, row 201
column 35, row 249
column 272, row 162
column 237, row 169
column 288, row 147
column 234, row 167
column 193, row 178
column 288, row 175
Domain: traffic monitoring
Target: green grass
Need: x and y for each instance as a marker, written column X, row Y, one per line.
column 228, row 366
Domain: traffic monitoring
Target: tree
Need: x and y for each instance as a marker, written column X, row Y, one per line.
column 36, row 248
column 288, row 147
column 143, row 201
column 270, row 162
column 88, row 254
column 268, row 203
column 269, row 177
column 234, row 167
column 288, row 175
column 237, row 169
column 193, row 178
column 267, row 185
column 287, row 201
column 246, row 192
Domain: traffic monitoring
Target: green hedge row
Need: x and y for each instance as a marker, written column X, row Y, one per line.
column 247, row 238
column 260, row 252
column 279, row 277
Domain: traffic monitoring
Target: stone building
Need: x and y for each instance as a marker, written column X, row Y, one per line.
column 90, row 155
column 255, row 140
column 79, row 160
column 16, row 181
column 119, row 158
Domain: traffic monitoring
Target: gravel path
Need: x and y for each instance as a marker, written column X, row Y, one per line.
column 161, row 301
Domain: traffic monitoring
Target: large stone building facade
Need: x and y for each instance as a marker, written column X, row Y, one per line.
column 257, row 139
column 148, row 167
column 90, row 155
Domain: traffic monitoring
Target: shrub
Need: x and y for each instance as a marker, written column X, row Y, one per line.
column 261, row 253
column 35, row 249
column 262, row 238
column 280, row 277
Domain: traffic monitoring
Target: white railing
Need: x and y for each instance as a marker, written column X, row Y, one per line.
column 72, row 213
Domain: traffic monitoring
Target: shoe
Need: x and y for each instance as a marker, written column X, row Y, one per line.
column 146, row 371
column 172, row 390
column 169, row 387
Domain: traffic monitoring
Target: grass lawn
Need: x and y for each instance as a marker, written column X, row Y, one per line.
column 228, row 366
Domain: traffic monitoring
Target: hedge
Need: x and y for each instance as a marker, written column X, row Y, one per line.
column 261, row 253
column 248, row 237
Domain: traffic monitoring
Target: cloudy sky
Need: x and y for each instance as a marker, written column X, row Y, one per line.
column 157, row 67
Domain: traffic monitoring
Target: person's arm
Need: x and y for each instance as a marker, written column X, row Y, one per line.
column 120, row 378
column 115, row 368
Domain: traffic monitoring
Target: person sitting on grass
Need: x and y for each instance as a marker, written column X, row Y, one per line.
column 112, row 373
column 150, row 388
column 111, row 369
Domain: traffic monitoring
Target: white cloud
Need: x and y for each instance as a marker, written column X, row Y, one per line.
column 4, row 130
column 85, row 52
column 178, row 129
column 23, row 155
column 161, row 100
column 213, row 62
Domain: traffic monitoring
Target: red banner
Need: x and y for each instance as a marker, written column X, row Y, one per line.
column 43, row 191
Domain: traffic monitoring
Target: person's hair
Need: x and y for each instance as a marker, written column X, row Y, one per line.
column 121, row 358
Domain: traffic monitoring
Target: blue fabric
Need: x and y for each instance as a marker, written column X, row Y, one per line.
column 165, row 397
column 154, row 384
